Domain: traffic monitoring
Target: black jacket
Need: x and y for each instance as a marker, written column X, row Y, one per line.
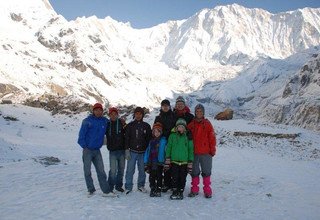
column 186, row 116
column 168, row 121
column 115, row 135
column 138, row 135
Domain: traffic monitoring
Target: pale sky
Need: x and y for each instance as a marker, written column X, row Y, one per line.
column 148, row 13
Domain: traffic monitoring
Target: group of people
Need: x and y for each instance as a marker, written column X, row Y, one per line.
column 179, row 143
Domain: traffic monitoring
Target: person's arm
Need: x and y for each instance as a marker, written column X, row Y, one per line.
column 212, row 139
column 82, row 133
column 190, row 151
column 127, row 137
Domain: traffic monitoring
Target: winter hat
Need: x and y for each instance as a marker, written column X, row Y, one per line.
column 180, row 99
column 157, row 126
column 181, row 121
column 199, row 106
column 165, row 102
column 113, row 109
column 139, row 109
column 97, row 105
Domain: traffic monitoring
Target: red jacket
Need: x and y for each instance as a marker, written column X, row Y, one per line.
column 204, row 138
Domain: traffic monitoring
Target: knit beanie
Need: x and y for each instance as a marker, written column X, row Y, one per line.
column 199, row 106
column 180, row 99
column 181, row 121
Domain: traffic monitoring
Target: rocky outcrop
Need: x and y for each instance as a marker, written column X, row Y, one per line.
column 300, row 102
column 6, row 89
column 57, row 105
column 227, row 114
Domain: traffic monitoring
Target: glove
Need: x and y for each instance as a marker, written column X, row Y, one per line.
column 147, row 169
column 189, row 168
column 127, row 154
column 167, row 164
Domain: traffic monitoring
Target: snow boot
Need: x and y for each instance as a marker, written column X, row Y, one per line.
column 152, row 192
column 192, row 194
column 207, row 187
column 175, row 195
column 181, row 194
column 158, row 192
column 194, row 185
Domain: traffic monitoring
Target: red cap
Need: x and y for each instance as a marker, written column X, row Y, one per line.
column 97, row 105
column 113, row 109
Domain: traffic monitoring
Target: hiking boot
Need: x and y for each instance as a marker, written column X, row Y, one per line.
column 193, row 194
column 152, row 193
column 208, row 196
column 181, row 195
column 157, row 192
column 164, row 189
column 109, row 194
column 120, row 189
column 142, row 189
column 127, row 191
column 175, row 195
column 90, row 193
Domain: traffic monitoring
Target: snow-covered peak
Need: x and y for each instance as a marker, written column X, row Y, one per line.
column 201, row 57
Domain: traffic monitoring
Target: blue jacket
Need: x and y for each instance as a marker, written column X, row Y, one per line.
column 161, row 151
column 92, row 131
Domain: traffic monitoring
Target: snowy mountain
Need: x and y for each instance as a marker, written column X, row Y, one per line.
column 229, row 56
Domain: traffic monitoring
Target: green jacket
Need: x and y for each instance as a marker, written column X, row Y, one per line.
column 179, row 148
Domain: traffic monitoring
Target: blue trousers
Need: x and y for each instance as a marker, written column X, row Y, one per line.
column 117, row 163
column 95, row 157
column 136, row 158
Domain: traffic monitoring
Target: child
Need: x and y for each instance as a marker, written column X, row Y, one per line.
column 179, row 154
column 154, row 159
column 204, row 140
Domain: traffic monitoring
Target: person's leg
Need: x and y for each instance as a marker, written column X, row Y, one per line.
column 102, row 177
column 142, row 174
column 113, row 169
column 152, row 182
column 159, row 176
column 195, row 175
column 121, row 165
column 183, row 172
column 167, row 180
column 152, row 179
column 131, row 164
column 175, row 179
column 87, row 159
column 206, row 167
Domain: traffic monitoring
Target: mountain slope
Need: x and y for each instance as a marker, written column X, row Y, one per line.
column 228, row 52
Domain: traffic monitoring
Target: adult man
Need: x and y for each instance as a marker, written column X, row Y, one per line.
column 91, row 136
column 182, row 111
column 138, row 135
column 168, row 120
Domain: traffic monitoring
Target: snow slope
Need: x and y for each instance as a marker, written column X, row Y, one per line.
column 253, row 177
